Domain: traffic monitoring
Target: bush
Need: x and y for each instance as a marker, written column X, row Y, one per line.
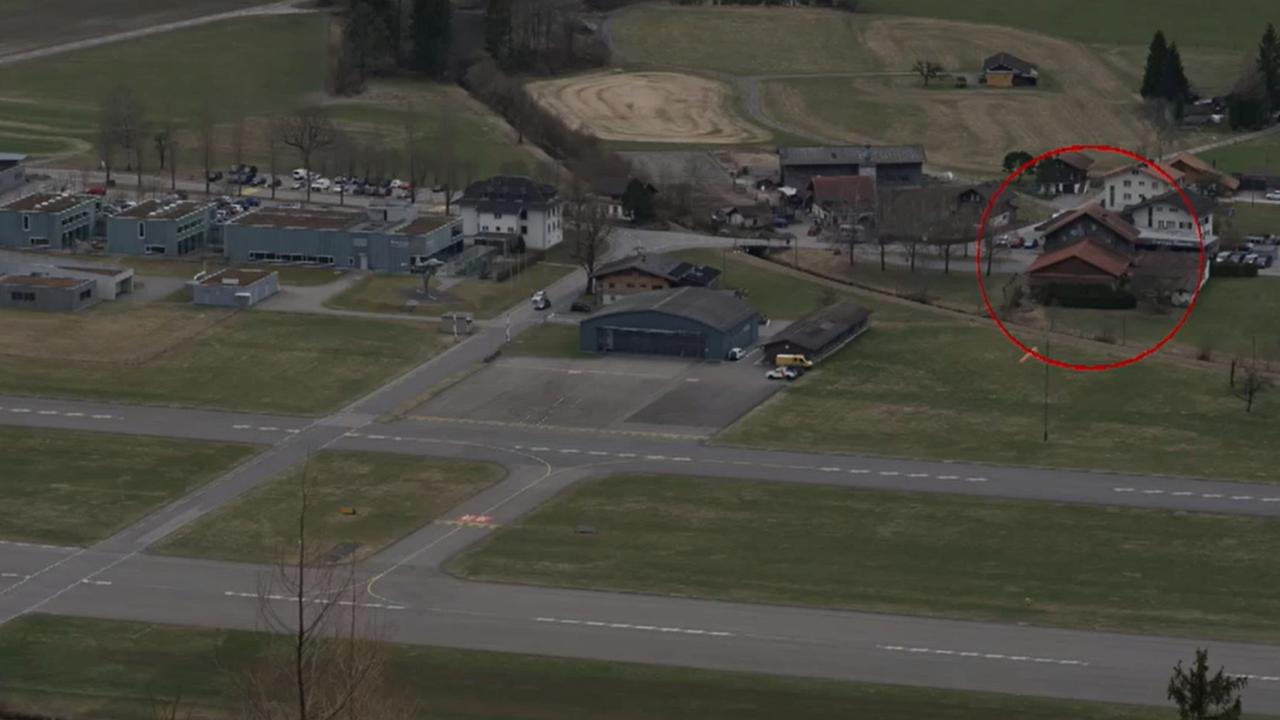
column 1085, row 296
column 1230, row 269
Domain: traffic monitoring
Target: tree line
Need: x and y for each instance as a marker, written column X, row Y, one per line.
column 1252, row 103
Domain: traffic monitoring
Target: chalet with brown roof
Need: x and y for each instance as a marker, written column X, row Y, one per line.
column 1084, row 261
column 1204, row 177
column 645, row 272
column 1106, row 228
column 1065, row 174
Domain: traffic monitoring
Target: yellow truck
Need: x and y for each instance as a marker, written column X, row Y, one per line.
column 793, row 361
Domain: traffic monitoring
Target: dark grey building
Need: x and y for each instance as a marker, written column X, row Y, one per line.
column 42, row 292
column 13, row 174
column 156, row 228
column 383, row 238
column 47, row 220
column 686, row 322
column 890, row 165
column 235, row 287
column 819, row 333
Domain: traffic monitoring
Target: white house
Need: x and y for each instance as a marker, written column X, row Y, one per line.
column 1129, row 186
column 1164, row 221
column 511, row 207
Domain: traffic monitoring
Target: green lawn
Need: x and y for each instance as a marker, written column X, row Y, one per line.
column 485, row 298
column 100, row 668
column 1259, row 154
column 74, row 488
column 393, row 495
column 1034, row 562
column 255, row 361
column 1253, row 219
column 547, row 340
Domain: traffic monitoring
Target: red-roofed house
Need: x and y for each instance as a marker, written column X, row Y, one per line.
column 1085, row 262
column 843, row 199
column 1104, row 227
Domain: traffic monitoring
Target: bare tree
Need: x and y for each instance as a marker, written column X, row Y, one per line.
column 204, row 123
column 307, row 131
column 138, row 136
column 273, row 154
column 413, row 151
column 120, row 128
column 589, row 230
column 1253, row 380
column 165, row 141
column 927, row 70
column 446, row 157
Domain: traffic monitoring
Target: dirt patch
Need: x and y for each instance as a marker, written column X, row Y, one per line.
column 647, row 107
column 108, row 333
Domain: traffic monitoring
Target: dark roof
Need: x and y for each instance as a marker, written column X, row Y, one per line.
column 852, row 155
column 718, row 309
column 1090, row 251
column 819, row 329
column 664, row 266
column 312, row 219
column 43, row 281
column 47, row 202
column 505, row 193
column 1080, row 161
column 156, row 210
column 1202, row 204
column 856, row 191
column 424, row 224
column 1110, row 220
column 1006, row 60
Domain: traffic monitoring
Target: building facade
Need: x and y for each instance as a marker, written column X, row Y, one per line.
column 235, row 287
column 685, row 322
column 13, row 174
column 43, row 292
column 643, row 273
column 890, row 165
column 47, row 220
column 156, row 228
column 1129, row 186
column 514, row 207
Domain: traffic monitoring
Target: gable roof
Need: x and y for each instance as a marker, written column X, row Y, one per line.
column 1201, row 204
column 1080, row 161
column 1007, row 60
column 504, row 193
column 718, row 309
column 851, row 155
column 1189, row 164
column 1089, row 251
column 821, row 327
column 666, row 267
column 1174, row 172
column 1109, row 220
column 857, row 191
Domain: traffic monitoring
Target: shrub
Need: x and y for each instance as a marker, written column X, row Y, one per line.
column 1230, row 269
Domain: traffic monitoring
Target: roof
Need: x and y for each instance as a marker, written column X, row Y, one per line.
column 1109, row 220
column 424, row 224
column 1013, row 62
column 107, row 270
column 1192, row 164
column 12, row 157
column 664, row 266
column 1088, row 250
column 1080, row 161
column 857, row 191
column 156, row 210
column 1174, row 172
column 852, row 155
column 719, row 309
column 43, row 281
column 1201, row 204
column 504, row 193
column 236, row 277
column 822, row 327
column 47, row 202
column 299, row 218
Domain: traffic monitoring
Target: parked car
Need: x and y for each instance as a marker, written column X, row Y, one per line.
column 1236, row 257
column 1031, row 244
column 1223, row 256
column 793, row 361
column 215, row 176
column 1273, row 195
column 540, row 300
column 320, row 185
column 580, row 306
column 735, row 354
column 1266, row 261
column 782, row 373
column 299, row 174
column 97, row 190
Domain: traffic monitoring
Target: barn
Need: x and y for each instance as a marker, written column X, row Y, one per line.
column 690, row 322
column 820, row 333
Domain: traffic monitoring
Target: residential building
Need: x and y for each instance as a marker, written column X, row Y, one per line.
column 44, row 292
column 383, row 238
column 1165, row 221
column 1084, row 261
column 13, row 174
column 687, row 322
column 517, row 210
column 1006, row 70
column 153, row 227
column 819, row 333
column 1106, row 228
column 47, row 220
column 1127, row 186
column 1066, row 174
column 645, row 272
column 609, row 192
column 890, row 165
column 842, row 199
column 234, row 287
column 1203, row 177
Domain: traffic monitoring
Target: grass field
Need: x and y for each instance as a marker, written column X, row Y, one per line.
column 1257, row 219
column 547, row 340
column 256, row 361
column 1259, row 154
column 98, row 668
column 485, row 298
column 393, row 495
column 26, row 24
column 954, row 556
column 74, row 488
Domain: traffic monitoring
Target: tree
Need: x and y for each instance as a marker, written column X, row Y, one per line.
column 120, row 117
column 1269, row 66
column 637, row 201
column 165, row 140
column 1201, row 697
column 237, row 151
column 1015, row 160
column 1174, row 85
column 1253, row 380
column 307, row 131
column 204, row 122
column 367, row 38
column 497, row 29
column 927, row 70
column 588, row 229
column 273, row 154
column 1153, row 75
column 432, row 36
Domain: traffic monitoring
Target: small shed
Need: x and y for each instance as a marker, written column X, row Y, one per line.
column 819, row 333
column 234, row 287
column 1007, row 70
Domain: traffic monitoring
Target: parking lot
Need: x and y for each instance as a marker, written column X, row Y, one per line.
column 633, row 394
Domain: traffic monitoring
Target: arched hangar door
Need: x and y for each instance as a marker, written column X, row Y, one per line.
column 650, row 342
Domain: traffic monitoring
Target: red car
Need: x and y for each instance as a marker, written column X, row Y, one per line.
column 97, row 190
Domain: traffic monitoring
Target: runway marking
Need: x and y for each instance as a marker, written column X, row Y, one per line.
column 1182, row 493
column 87, row 581
column 629, row 626
column 19, row 410
column 1152, row 492
column 986, row 656
column 1241, row 497
column 74, row 414
column 1124, row 490
column 101, row 417
column 859, row 471
column 12, row 575
column 829, row 469
column 318, row 601
column 655, row 457
column 948, row 477
column 1264, row 678
column 376, row 437
column 241, row 427
column 681, row 459
column 597, row 452
column 1210, row 495
column 48, row 412
column 917, row 475
column 889, row 473
column 975, row 479
column 1271, row 499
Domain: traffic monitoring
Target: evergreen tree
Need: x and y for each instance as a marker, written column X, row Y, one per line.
column 638, row 201
column 1174, row 85
column 1269, row 64
column 1156, row 56
column 432, row 36
column 1200, row 695
column 497, row 29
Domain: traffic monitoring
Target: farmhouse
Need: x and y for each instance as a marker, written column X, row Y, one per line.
column 820, row 333
column 842, row 199
column 1107, row 229
column 1067, row 173
column 13, row 173
column 232, row 287
column 610, row 193
column 156, row 228
column 1006, row 70
column 1127, row 186
column 890, row 165
column 642, row 273
column 687, row 322
column 1082, row 262
column 47, row 220
column 949, row 212
column 526, row 213
column 1203, row 177
column 44, row 292
column 384, row 238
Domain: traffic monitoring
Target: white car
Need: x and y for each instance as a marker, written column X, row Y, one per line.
column 321, row 184
column 735, row 354
column 782, row 373
column 299, row 174
column 1273, row 195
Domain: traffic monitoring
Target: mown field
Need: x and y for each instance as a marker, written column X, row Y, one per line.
column 27, row 24
column 99, row 668
column 1260, row 154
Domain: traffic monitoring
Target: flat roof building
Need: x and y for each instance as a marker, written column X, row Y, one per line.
column 47, row 220
column 235, row 287
column 43, row 292
column 157, row 228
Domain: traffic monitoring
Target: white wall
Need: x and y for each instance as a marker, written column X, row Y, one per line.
column 1130, row 188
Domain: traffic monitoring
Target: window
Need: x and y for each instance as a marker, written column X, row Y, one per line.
column 19, row 296
column 497, row 216
column 153, row 249
column 26, row 223
column 142, row 229
column 1128, row 183
column 484, row 228
column 86, row 293
column 39, row 241
column 524, row 229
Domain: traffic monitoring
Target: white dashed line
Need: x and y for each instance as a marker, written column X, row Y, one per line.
column 890, row 473
column 829, row 469
column 1264, row 678
column 241, row 427
column 975, row 479
column 74, row 414
column 626, row 455
column 539, row 449
column 681, row 459
column 376, row 437
column 628, row 626
column 917, row 475
column 859, row 471
column 597, row 452
column 19, row 410
column 96, row 582
column 1271, row 499
column 268, row 428
column 948, row 477
column 1211, row 495
column 101, row 417
column 987, row 656
column 1124, row 490
column 655, row 457
column 1152, row 492
column 286, row 598
column 568, row 451
column 1241, row 497
column 1182, row 493
column 48, row 412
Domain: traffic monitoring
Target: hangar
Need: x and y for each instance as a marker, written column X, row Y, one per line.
column 820, row 333
column 690, row 322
